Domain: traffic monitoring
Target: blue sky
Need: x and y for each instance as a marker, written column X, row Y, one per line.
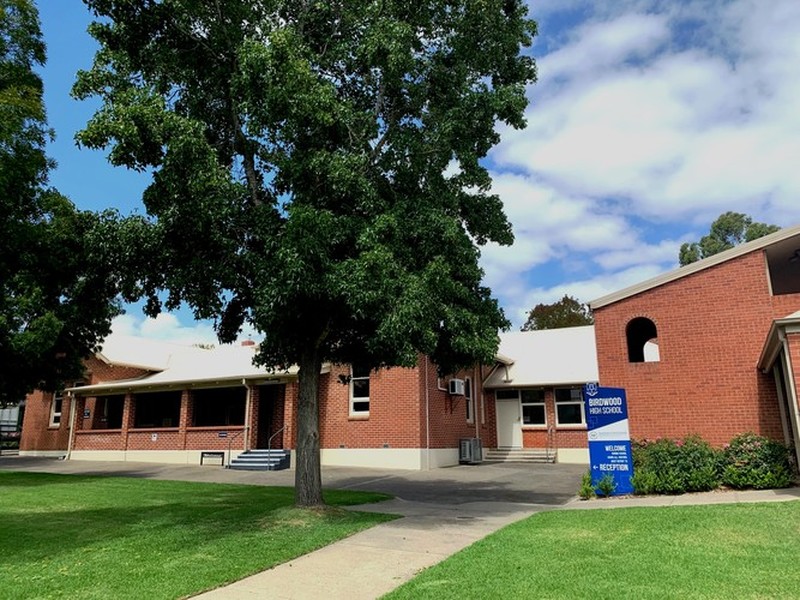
column 649, row 119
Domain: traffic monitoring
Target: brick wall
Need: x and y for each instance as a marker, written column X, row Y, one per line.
column 711, row 329
column 448, row 414
column 393, row 419
column 36, row 432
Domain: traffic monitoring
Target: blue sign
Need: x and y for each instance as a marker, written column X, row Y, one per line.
column 223, row 434
column 609, row 436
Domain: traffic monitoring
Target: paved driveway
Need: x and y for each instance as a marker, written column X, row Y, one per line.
column 514, row 483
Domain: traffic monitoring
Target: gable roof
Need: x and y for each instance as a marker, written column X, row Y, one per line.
column 143, row 353
column 179, row 367
column 546, row 357
column 696, row 267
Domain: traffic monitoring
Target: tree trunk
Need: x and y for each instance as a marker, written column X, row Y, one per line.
column 308, row 477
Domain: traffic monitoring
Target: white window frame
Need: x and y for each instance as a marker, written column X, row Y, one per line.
column 55, row 415
column 469, row 399
column 541, row 403
column 358, row 399
column 572, row 401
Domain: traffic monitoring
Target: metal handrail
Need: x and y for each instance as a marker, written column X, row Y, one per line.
column 551, row 435
column 269, row 443
column 230, row 439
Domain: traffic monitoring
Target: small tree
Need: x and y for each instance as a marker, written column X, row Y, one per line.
column 567, row 312
column 729, row 230
column 302, row 156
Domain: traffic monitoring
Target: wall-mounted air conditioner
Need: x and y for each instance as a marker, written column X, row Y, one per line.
column 456, row 387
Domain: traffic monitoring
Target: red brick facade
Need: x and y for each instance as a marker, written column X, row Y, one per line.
column 37, row 433
column 711, row 328
column 402, row 405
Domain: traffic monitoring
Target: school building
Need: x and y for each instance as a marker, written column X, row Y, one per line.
column 711, row 348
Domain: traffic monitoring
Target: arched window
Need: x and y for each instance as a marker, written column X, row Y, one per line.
column 642, row 337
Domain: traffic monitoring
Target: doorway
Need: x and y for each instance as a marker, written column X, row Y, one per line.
column 270, row 416
column 509, row 424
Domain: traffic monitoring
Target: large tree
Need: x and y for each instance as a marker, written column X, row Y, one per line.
column 567, row 312
column 317, row 171
column 56, row 283
column 729, row 230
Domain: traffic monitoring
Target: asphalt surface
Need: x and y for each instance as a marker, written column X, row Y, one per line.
column 515, row 483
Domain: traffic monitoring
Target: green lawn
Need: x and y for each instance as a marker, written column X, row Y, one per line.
column 723, row 551
column 106, row 537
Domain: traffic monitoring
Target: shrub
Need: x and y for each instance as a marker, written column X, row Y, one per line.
column 606, row 486
column 586, row 490
column 752, row 461
column 668, row 467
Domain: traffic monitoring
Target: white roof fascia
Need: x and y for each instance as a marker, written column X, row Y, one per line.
column 147, row 385
column 695, row 267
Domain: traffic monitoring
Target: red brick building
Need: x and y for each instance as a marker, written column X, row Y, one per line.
column 147, row 401
column 727, row 329
column 712, row 348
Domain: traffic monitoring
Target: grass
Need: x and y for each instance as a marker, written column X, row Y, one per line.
column 723, row 551
column 106, row 537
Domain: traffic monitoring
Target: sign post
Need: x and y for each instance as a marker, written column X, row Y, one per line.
column 609, row 436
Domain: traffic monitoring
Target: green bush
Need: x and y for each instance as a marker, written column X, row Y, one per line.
column 667, row 466
column 752, row 461
column 586, row 490
column 606, row 486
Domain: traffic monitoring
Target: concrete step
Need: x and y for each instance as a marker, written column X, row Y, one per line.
column 261, row 460
column 536, row 455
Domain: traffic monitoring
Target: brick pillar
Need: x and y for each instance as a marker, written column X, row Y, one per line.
column 80, row 405
column 128, row 416
column 185, row 419
column 289, row 403
column 251, row 418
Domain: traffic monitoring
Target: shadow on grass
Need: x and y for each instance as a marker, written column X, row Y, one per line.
column 158, row 514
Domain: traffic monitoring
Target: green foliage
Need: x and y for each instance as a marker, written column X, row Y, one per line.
column 606, row 485
column 567, row 312
column 729, row 230
column 711, row 552
column 57, row 272
column 752, row 461
column 159, row 539
column 318, row 169
column 586, row 490
column 665, row 466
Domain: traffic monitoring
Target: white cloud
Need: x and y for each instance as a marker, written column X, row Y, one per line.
column 649, row 120
column 176, row 328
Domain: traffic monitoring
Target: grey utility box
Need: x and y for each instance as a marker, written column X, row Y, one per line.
column 470, row 451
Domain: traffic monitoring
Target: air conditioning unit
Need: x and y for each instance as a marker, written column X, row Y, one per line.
column 456, row 387
column 470, row 451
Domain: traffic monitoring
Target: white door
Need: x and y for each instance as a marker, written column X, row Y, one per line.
column 509, row 424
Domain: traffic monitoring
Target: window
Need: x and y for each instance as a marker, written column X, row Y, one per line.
column 157, row 409
column 569, row 406
column 507, row 395
column 532, row 400
column 359, row 390
column 55, row 408
column 642, row 338
column 468, row 400
column 533, row 412
column 218, row 406
column 109, row 411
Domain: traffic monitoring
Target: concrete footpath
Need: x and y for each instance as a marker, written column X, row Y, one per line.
column 374, row 562
column 444, row 510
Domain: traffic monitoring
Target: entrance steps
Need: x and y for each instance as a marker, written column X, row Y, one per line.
column 261, row 460
column 523, row 455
